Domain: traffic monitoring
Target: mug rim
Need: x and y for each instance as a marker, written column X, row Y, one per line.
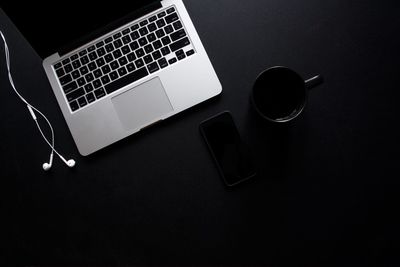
column 290, row 117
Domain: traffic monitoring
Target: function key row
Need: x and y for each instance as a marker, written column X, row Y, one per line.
column 143, row 23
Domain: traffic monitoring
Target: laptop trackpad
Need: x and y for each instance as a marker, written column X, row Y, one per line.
column 142, row 105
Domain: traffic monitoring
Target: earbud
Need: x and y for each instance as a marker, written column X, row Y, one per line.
column 47, row 166
column 71, row 163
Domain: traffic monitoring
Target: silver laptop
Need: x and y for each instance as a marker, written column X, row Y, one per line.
column 132, row 66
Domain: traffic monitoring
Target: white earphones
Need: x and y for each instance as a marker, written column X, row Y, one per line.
column 46, row 166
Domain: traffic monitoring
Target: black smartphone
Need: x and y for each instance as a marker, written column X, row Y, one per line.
column 232, row 156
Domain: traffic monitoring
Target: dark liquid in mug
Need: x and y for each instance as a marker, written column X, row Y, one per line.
column 279, row 93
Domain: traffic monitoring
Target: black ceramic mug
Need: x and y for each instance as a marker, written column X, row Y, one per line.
column 280, row 94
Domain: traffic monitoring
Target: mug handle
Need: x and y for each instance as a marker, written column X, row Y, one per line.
column 314, row 82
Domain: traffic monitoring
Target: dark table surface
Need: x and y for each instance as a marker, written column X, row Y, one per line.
column 327, row 190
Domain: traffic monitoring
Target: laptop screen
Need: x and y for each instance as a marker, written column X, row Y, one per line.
column 48, row 26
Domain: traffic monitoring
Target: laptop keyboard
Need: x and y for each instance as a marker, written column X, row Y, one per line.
column 131, row 54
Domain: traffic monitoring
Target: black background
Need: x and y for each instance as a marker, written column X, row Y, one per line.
column 328, row 186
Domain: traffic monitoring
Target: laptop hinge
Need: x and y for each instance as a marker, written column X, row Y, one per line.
column 104, row 30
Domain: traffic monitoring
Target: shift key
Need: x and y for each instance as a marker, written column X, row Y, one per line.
column 179, row 44
column 75, row 94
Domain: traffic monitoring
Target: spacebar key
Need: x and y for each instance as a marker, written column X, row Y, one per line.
column 121, row 82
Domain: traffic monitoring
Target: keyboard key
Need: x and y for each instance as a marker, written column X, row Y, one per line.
column 153, row 67
column 144, row 23
column 90, row 97
column 177, row 25
column 135, row 35
column 101, row 51
column 178, row 35
column 162, row 14
column 84, row 70
column 160, row 33
column 153, row 18
column 139, row 63
column 89, row 87
column 99, row 93
column 82, row 53
column 168, row 29
column 68, row 68
column 117, row 43
column 70, row 87
column 179, row 44
column 66, row 79
column 100, row 62
column 122, row 71
column 75, row 94
column 160, row 23
column 139, row 52
column 75, row 74
column 151, row 37
column 126, row 31
column 157, row 45
column 82, row 101
column 166, row 40
column 130, row 67
column 109, row 48
column 148, row 48
column 114, row 65
column 74, row 57
column 143, row 41
column 108, row 40
column 148, row 59
column 117, row 35
column 152, row 27
column 165, row 51
column 125, row 49
column 60, row 72
column 97, row 73
column 172, row 61
column 131, row 56
column 180, row 57
column 190, row 52
column 76, row 64
column 114, row 75
column 58, row 65
column 81, row 81
column 66, row 61
column 105, row 79
column 92, row 66
column 117, row 54
column 96, row 83
column 122, row 61
column 106, row 69
column 135, row 27
column 156, row 55
column 170, row 10
column 134, row 45
column 99, row 44
column 171, row 18
column 130, row 78
column 89, row 77
column 93, row 56
column 163, row 63
column 126, row 39
column 84, row 60
column 180, row 54
column 143, row 31
column 109, row 58
column 91, row 48
column 74, row 105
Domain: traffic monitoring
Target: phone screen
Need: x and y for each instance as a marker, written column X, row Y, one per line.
column 231, row 154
